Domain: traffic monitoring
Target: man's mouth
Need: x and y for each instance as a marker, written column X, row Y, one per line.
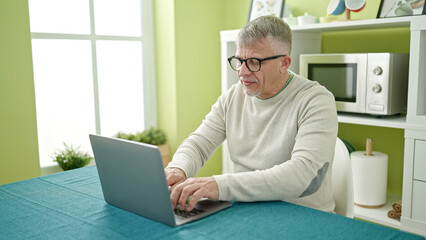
column 247, row 83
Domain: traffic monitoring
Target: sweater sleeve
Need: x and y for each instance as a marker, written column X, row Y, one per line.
column 194, row 151
column 311, row 158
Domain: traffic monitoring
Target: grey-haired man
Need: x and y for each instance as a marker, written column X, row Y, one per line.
column 280, row 128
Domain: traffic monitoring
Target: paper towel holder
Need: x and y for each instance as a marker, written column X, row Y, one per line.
column 368, row 147
column 370, row 177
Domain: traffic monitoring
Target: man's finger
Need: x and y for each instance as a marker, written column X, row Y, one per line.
column 196, row 196
column 172, row 187
column 175, row 194
column 188, row 188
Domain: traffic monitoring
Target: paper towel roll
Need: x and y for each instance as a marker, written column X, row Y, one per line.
column 369, row 178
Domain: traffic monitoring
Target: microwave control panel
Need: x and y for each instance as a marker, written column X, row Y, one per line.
column 387, row 83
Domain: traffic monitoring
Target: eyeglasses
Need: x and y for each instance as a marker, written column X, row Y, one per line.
column 253, row 64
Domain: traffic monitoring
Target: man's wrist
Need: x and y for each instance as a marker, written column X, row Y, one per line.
column 221, row 187
column 176, row 170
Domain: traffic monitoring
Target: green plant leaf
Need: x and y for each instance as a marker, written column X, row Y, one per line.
column 71, row 158
column 154, row 136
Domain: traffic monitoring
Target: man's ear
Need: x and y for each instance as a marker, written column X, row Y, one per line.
column 285, row 64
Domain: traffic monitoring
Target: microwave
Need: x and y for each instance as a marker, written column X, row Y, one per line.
column 368, row 83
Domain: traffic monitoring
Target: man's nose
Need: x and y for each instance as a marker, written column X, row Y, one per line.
column 244, row 71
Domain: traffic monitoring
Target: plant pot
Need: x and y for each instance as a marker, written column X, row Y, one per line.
column 165, row 153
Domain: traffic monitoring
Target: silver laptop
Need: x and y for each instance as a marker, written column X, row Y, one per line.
column 132, row 178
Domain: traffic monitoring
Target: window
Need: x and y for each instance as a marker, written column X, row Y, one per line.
column 93, row 70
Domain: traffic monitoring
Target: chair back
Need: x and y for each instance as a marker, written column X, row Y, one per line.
column 342, row 181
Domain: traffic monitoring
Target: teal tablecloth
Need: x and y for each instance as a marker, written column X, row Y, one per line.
column 70, row 205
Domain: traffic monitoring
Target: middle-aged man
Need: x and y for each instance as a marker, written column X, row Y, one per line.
column 281, row 130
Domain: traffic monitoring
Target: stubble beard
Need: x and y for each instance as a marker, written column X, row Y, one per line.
column 251, row 93
column 248, row 91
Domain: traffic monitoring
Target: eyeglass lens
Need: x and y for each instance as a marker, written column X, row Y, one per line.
column 251, row 63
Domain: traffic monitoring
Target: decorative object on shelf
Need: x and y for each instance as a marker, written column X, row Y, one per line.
column 355, row 5
column 327, row 19
column 306, row 19
column 399, row 8
column 395, row 212
column 337, row 7
column 71, row 158
column 266, row 7
column 291, row 20
column 154, row 136
column 370, row 170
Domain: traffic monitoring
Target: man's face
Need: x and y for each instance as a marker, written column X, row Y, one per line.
column 266, row 82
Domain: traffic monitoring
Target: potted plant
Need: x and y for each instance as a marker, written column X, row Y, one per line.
column 71, row 158
column 154, row 136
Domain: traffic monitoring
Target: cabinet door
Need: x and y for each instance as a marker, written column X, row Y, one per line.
column 419, row 200
column 420, row 160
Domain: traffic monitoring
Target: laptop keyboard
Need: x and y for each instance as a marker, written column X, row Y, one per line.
column 187, row 214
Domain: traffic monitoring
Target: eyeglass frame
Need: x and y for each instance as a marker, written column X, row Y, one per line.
column 260, row 60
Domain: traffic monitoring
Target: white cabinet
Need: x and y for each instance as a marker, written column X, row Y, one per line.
column 414, row 184
column 307, row 39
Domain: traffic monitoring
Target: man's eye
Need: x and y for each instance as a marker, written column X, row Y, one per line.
column 253, row 62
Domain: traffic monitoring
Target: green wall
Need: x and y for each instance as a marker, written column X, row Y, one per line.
column 188, row 63
column 187, row 39
column 18, row 131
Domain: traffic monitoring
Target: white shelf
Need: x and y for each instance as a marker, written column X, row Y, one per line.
column 398, row 121
column 357, row 24
column 229, row 35
column 379, row 215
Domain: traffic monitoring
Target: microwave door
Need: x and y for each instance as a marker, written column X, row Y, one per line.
column 344, row 75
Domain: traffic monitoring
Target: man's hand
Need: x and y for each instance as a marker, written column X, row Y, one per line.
column 174, row 176
column 197, row 188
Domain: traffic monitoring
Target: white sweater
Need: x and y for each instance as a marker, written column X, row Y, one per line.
column 282, row 147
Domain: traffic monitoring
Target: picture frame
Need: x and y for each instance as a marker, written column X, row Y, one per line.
column 401, row 8
column 266, row 7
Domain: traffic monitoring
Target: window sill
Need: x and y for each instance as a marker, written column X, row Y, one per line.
column 54, row 168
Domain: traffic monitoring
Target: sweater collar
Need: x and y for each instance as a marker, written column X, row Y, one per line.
column 291, row 75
